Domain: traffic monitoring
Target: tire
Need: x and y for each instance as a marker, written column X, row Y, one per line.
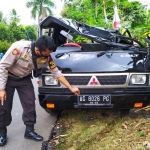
column 53, row 112
column 124, row 112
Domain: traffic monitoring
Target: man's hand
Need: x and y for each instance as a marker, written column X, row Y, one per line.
column 63, row 80
column 75, row 90
column 2, row 96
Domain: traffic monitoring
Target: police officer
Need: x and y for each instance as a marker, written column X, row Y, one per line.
column 15, row 69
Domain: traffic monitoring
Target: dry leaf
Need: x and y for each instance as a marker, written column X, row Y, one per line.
column 63, row 135
column 137, row 125
column 147, row 108
column 103, row 139
column 73, row 120
column 71, row 148
column 145, row 143
column 119, row 140
column 124, row 126
column 115, row 142
column 93, row 125
column 148, row 146
column 54, row 142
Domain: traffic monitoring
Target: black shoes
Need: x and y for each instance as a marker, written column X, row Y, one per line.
column 3, row 136
column 3, row 140
column 30, row 134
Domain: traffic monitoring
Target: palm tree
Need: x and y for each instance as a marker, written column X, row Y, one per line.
column 2, row 19
column 14, row 16
column 40, row 8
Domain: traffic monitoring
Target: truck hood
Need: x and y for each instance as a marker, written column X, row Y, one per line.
column 106, row 50
column 101, row 61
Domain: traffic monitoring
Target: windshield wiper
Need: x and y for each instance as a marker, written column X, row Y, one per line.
column 59, row 55
column 106, row 52
column 101, row 54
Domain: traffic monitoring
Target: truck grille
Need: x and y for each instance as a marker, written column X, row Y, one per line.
column 112, row 80
column 78, row 80
column 103, row 80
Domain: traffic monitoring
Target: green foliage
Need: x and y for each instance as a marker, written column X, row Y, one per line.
column 31, row 32
column 88, row 12
column 131, row 13
column 14, row 16
column 6, row 33
column 2, row 19
column 141, row 133
column 91, row 12
column 40, row 8
column 4, row 45
column 18, row 31
column 12, row 31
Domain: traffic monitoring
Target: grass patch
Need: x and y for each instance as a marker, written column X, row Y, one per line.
column 102, row 130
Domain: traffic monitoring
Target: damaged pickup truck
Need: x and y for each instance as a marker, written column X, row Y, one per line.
column 109, row 70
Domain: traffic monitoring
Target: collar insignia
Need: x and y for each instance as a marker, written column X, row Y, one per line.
column 25, row 56
column 43, row 60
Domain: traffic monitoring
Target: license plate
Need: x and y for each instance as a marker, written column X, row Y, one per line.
column 94, row 100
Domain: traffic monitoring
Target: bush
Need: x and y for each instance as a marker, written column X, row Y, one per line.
column 6, row 33
column 4, row 45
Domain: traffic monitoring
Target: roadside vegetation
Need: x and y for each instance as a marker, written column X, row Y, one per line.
column 102, row 130
column 134, row 16
column 11, row 30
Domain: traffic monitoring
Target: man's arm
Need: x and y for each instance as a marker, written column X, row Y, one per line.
column 10, row 56
column 63, row 80
column 58, row 75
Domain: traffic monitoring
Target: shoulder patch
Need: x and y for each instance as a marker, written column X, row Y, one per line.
column 52, row 64
column 15, row 52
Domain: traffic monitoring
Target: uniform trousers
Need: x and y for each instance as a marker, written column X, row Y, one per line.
column 26, row 94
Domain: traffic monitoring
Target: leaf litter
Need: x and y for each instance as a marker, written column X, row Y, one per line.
column 103, row 129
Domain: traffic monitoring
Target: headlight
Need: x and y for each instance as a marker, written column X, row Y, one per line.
column 49, row 80
column 138, row 79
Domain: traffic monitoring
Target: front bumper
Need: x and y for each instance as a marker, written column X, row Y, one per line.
column 118, row 101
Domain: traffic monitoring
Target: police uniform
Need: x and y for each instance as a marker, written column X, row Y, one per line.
column 15, row 69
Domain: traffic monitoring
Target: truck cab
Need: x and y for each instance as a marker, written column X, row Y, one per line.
column 108, row 68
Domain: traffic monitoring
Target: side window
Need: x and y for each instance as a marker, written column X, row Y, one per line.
column 61, row 40
column 48, row 32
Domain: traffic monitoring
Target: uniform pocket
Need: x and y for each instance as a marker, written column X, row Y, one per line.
column 22, row 63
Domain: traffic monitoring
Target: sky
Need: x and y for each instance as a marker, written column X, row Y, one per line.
column 20, row 6
column 145, row 2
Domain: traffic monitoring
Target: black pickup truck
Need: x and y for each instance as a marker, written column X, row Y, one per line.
column 109, row 70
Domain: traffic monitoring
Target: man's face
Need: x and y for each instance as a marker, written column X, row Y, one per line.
column 45, row 53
